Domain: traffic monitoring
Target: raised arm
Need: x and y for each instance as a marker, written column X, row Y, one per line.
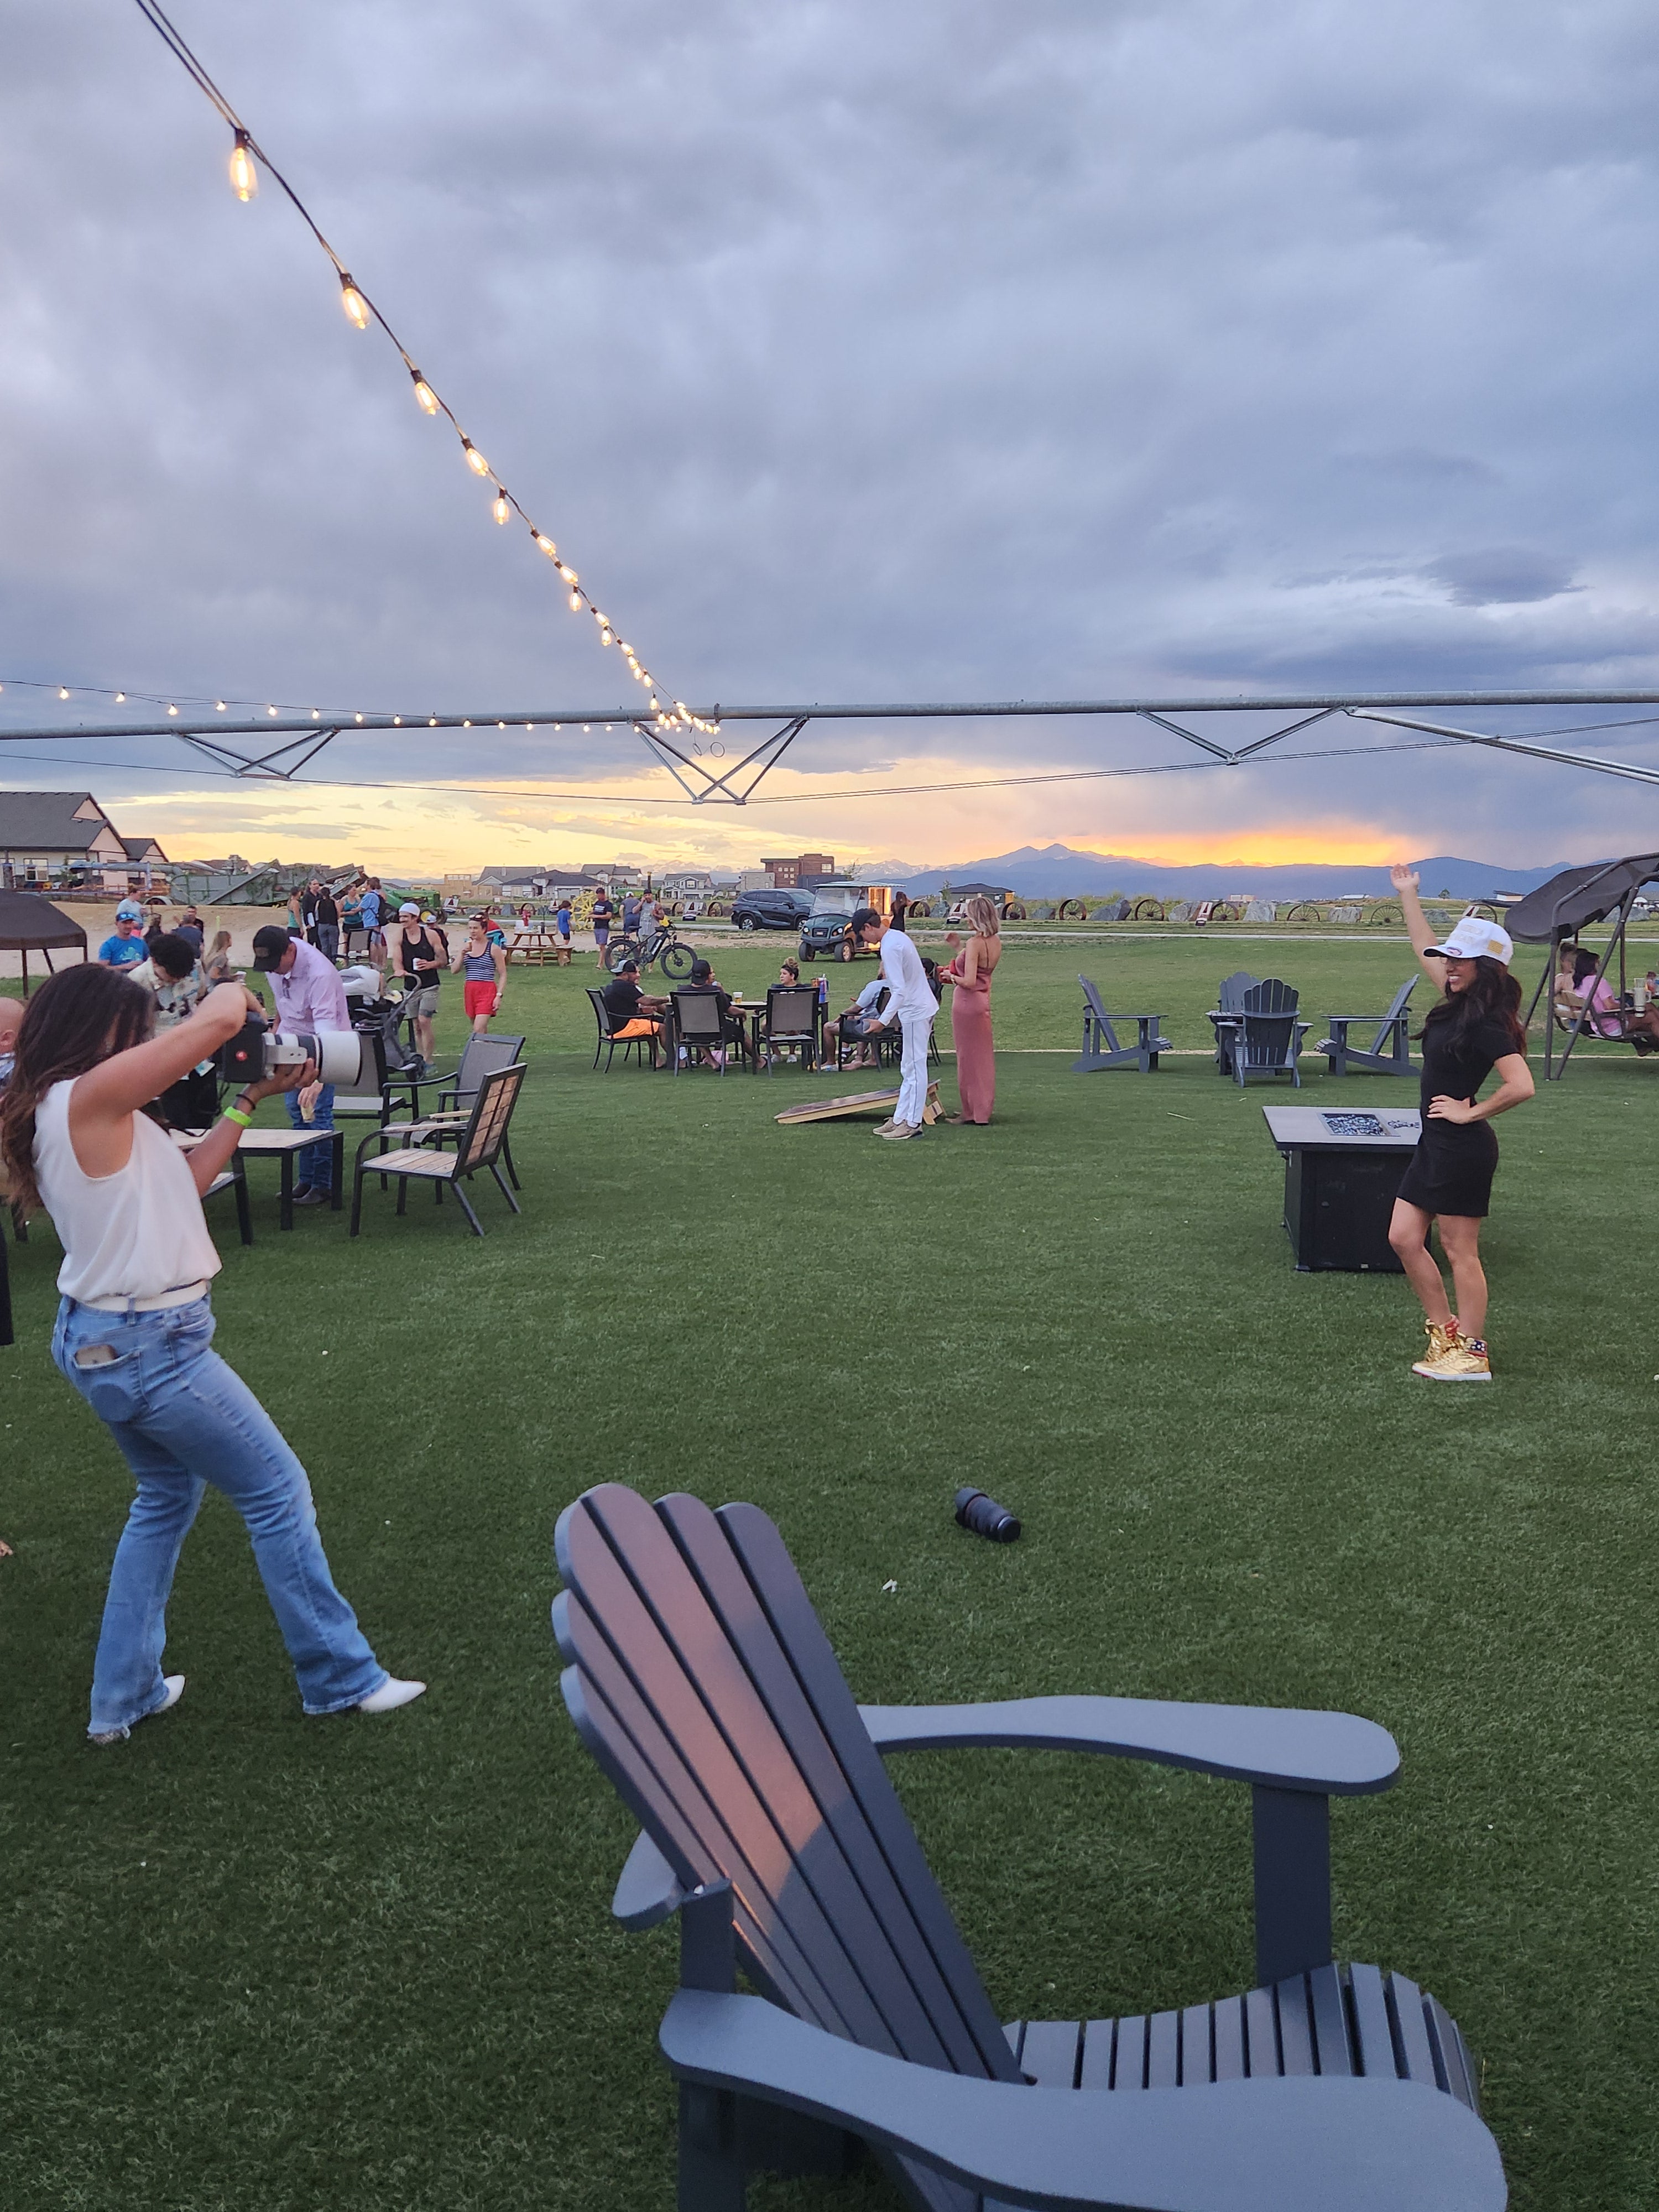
column 1405, row 881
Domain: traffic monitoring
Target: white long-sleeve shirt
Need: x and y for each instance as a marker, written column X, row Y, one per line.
column 901, row 964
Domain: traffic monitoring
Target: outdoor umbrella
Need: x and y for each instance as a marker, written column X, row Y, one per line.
column 29, row 923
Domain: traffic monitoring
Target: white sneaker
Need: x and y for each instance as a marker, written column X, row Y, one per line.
column 391, row 1694
column 896, row 1131
column 174, row 1686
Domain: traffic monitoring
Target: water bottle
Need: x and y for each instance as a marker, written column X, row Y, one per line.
column 821, row 983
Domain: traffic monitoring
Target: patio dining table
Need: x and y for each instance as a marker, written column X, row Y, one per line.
column 282, row 1145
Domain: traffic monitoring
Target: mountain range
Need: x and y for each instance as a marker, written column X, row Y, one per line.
column 1056, row 871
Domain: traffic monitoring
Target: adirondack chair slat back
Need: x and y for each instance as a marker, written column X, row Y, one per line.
column 1270, row 997
column 1230, row 997
column 700, row 1678
column 1264, row 1040
column 1381, row 1042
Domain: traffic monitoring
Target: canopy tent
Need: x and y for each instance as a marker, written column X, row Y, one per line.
column 1558, row 910
column 29, row 923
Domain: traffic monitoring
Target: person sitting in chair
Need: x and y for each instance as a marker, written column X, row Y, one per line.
column 859, row 1024
column 703, row 985
column 630, row 1011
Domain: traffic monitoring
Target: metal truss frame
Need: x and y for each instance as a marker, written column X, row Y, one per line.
column 289, row 744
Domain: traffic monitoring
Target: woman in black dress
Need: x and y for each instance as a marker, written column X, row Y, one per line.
column 1474, row 1028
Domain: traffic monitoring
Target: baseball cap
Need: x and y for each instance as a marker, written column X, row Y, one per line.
column 129, row 911
column 1476, row 938
column 410, row 907
column 270, row 944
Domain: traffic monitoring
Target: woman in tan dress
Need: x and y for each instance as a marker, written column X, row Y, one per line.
column 970, row 971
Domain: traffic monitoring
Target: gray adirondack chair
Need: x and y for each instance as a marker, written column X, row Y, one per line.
column 699, row 1679
column 1265, row 1038
column 1228, row 1003
column 1389, row 1052
column 1101, row 1048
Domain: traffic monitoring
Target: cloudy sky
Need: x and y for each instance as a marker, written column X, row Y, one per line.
column 851, row 352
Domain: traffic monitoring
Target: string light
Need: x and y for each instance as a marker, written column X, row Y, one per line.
column 61, row 693
column 248, row 157
column 244, row 170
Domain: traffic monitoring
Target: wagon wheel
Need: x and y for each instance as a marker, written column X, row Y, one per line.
column 1146, row 909
column 1386, row 910
column 1066, row 909
column 1015, row 911
column 923, row 907
column 717, row 909
column 1221, row 912
column 1304, row 910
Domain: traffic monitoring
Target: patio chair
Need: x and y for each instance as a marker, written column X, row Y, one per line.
column 608, row 1039
column 699, row 1679
column 233, row 1179
column 1229, row 1001
column 1264, row 1038
column 421, row 1158
column 1101, row 1049
column 791, row 1023
column 1389, row 1052
column 700, row 1026
column 457, row 1089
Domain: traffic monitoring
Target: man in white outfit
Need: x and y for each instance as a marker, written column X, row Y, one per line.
column 913, row 1006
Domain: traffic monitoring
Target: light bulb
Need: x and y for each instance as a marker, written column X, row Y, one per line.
column 475, row 460
column 61, row 693
column 353, row 301
column 359, row 718
column 575, row 603
column 605, row 637
column 172, row 710
column 244, row 170
column 271, row 710
column 425, row 396
column 397, row 722
column 502, row 509
column 569, row 574
column 547, row 546
column 120, row 697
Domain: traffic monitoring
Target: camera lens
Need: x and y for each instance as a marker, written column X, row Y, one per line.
column 985, row 1517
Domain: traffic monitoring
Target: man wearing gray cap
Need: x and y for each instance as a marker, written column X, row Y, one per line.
column 309, row 996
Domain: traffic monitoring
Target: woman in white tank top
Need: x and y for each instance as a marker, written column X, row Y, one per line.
column 135, row 1331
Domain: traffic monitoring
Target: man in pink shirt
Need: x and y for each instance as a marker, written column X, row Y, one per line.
column 310, row 996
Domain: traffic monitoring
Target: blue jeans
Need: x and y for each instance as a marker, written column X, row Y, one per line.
column 314, row 1166
column 182, row 1419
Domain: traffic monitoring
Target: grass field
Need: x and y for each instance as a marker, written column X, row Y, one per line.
column 260, row 1962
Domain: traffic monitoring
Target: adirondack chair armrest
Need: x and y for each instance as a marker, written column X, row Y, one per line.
column 1330, row 1755
column 1296, row 2143
column 647, row 1889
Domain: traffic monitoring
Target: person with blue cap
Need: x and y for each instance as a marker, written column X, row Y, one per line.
column 1473, row 1030
column 126, row 948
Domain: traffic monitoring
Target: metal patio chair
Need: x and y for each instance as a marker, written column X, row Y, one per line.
column 457, row 1089
column 420, row 1157
column 608, row 1039
column 791, row 1023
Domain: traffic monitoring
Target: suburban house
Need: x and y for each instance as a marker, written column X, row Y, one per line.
column 47, row 836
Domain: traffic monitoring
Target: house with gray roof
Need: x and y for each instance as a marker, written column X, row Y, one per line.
column 65, row 838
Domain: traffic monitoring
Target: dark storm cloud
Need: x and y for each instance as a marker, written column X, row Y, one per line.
column 850, row 351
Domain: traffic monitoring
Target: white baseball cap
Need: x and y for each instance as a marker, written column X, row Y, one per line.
column 1476, row 938
column 408, row 907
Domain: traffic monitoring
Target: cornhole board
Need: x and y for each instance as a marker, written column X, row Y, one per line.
column 860, row 1102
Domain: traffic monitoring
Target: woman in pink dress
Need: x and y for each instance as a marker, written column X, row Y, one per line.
column 970, row 972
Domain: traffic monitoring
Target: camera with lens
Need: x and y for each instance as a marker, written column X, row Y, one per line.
column 343, row 1057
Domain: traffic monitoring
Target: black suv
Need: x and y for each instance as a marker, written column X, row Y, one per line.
column 771, row 909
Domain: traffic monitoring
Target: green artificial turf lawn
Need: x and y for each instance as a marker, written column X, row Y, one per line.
column 261, row 1962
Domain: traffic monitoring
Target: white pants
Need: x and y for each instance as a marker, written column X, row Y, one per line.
column 912, row 1069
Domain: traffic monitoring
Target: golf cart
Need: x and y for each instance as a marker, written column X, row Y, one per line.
column 826, row 933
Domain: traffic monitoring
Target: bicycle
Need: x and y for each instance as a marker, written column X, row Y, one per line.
column 661, row 948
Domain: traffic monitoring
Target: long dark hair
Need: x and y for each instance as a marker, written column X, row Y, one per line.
column 82, row 1016
column 1492, row 993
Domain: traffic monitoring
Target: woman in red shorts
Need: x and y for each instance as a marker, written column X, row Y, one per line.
column 482, row 962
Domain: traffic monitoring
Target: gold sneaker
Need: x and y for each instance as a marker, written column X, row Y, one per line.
column 1463, row 1361
column 1442, row 1336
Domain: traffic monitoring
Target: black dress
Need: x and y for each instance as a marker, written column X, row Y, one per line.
column 1451, row 1171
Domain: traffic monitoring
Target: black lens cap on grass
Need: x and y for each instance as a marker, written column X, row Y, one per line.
column 985, row 1516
